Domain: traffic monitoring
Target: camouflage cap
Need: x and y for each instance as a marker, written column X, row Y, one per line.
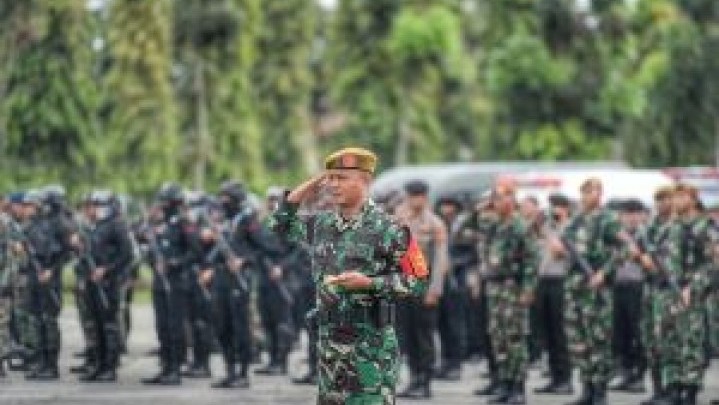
column 352, row 159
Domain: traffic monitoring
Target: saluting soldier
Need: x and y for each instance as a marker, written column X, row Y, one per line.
column 363, row 261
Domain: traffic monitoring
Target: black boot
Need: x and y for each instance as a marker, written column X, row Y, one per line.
column 599, row 394
column 672, row 396
column 586, row 396
column 91, row 373
column 518, row 396
column 235, row 378
column 201, row 370
column 172, row 376
column 658, row 391
column 450, row 371
column 504, row 394
column 556, row 387
column 308, row 379
column 275, row 368
column 87, row 366
column 689, row 394
column 156, row 378
column 108, row 374
column 493, row 388
column 34, row 364
column 418, row 388
column 50, row 371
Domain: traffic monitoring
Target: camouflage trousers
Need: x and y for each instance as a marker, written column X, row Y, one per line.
column 588, row 319
column 712, row 306
column 650, row 333
column 508, row 329
column 6, row 305
column 25, row 321
column 680, row 334
column 358, row 364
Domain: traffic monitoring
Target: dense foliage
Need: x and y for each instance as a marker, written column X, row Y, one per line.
column 128, row 93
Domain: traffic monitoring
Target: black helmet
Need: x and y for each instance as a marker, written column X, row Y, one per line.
column 171, row 193
column 235, row 190
column 101, row 197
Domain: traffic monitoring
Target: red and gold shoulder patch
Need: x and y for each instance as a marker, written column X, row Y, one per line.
column 413, row 262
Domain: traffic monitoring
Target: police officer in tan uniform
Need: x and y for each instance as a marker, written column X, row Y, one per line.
column 418, row 317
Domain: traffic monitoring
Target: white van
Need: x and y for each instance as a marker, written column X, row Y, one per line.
column 619, row 184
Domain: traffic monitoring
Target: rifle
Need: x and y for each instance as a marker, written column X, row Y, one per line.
column 158, row 257
column 224, row 247
column 581, row 261
column 86, row 255
column 669, row 276
column 37, row 267
column 281, row 286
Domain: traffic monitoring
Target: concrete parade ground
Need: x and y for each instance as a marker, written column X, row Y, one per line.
column 15, row 390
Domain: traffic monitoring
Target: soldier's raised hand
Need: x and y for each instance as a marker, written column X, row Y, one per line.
column 307, row 189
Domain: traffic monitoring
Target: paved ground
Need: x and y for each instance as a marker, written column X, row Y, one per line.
column 14, row 390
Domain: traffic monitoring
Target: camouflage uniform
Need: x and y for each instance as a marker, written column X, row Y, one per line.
column 512, row 262
column 358, row 350
column 589, row 312
column 681, row 331
column 656, row 239
column 9, row 262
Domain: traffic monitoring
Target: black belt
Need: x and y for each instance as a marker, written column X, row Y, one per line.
column 378, row 314
column 500, row 278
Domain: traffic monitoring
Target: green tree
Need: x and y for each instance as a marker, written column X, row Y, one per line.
column 48, row 96
column 284, row 80
column 140, row 147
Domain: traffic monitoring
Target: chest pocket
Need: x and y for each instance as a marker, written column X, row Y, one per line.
column 359, row 256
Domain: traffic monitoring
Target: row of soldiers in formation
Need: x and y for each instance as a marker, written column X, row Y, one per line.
column 617, row 292
column 213, row 261
column 593, row 286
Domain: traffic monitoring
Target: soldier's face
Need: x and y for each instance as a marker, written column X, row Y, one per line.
column 29, row 210
column 504, row 204
column 529, row 209
column 591, row 197
column 347, row 187
column 632, row 220
column 417, row 202
column 448, row 211
column 664, row 206
column 683, row 202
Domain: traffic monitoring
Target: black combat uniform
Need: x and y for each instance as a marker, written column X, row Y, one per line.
column 173, row 248
column 111, row 250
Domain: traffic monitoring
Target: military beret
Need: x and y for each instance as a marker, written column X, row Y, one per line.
column 450, row 200
column 416, row 187
column 686, row 188
column 632, row 205
column 352, row 158
column 559, row 200
column 592, row 182
column 663, row 192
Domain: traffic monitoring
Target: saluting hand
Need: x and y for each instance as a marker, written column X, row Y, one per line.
column 307, row 189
